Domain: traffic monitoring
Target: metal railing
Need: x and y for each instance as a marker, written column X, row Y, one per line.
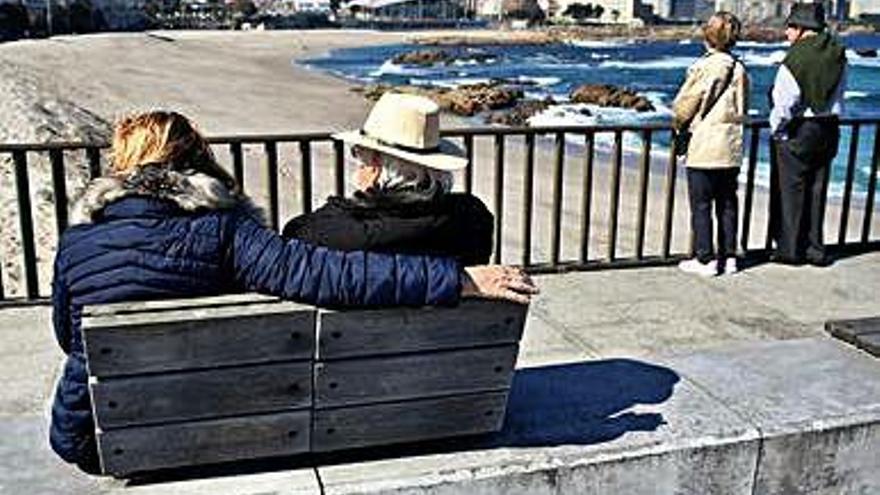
column 508, row 173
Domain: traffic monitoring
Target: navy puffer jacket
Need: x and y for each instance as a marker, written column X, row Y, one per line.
column 176, row 235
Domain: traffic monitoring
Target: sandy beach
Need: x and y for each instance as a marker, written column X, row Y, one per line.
column 233, row 83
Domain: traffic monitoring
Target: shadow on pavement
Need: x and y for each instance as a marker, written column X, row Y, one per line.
column 573, row 404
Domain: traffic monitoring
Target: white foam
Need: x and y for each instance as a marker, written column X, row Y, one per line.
column 852, row 95
column 540, row 81
column 595, row 44
column 758, row 59
column 761, row 44
column 448, row 83
column 389, row 67
column 855, row 59
column 668, row 63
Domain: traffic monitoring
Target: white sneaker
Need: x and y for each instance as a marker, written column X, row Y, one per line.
column 694, row 266
column 730, row 266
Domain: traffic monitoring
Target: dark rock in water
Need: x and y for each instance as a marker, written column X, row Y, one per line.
column 867, row 52
column 464, row 100
column 430, row 57
column 423, row 57
column 519, row 115
column 606, row 95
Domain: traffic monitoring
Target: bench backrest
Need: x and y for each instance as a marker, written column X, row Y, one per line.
column 199, row 381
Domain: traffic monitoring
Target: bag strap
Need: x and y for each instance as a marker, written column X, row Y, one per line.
column 728, row 79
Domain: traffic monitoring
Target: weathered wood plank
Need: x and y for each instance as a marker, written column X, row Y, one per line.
column 128, row 450
column 187, row 396
column 386, row 379
column 126, row 344
column 385, row 424
column 399, row 330
column 178, row 304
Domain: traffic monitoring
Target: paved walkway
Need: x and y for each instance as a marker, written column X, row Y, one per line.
column 635, row 381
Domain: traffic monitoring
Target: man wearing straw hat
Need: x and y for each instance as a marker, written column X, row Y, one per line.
column 403, row 202
column 807, row 98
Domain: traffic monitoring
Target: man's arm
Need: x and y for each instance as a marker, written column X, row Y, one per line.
column 786, row 96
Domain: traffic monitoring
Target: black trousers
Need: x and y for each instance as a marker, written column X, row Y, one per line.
column 705, row 188
column 803, row 164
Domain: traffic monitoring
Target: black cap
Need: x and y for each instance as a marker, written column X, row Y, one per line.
column 807, row 15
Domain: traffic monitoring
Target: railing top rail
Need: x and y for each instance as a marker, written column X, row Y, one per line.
column 453, row 132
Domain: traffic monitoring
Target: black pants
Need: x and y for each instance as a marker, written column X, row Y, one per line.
column 705, row 188
column 803, row 164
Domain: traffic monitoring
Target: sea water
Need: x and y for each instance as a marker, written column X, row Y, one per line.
column 653, row 69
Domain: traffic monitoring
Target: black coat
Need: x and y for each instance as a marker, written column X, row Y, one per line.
column 457, row 225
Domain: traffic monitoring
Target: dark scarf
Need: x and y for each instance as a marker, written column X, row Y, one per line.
column 817, row 63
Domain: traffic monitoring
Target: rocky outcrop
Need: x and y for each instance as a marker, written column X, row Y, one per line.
column 867, row 52
column 606, row 95
column 519, row 115
column 423, row 57
column 433, row 57
column 464, row 100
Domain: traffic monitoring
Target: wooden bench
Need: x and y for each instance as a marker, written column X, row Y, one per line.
column 201, row 381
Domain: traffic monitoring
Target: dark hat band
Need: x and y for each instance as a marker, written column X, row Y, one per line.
column 403, row 147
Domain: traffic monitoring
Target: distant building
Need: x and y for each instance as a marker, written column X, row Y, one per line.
column 614, row 11
column 661, row 8
column 488, row 8
column 859, row 8
column 754, row 11
column 692, row 9
column 408, row 9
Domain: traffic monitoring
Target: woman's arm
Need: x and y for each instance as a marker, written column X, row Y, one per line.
column 60, row 305
column 689, row 99
column 264, row 262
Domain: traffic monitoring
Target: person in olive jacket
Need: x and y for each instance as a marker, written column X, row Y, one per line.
column 403, row 202
column 808, row 99
column 168, row 222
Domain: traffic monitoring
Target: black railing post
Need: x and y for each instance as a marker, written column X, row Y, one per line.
column 558, row 184
column 754, row 147
column 305, row 152
column 499, row 195
column 271, row 148
column 469, row 170
column 339, row 166
column 237, row 164
column 614, row 202
column 848, row 185
column 587, row 202
column 26, row 223
column 528, row 198
column 59, row 188
column 669, row 210
column 872, row 189
column 644, row 174
column 773, row 206
column 94, row 156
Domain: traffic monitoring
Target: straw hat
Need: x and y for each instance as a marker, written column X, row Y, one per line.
column 407, row 127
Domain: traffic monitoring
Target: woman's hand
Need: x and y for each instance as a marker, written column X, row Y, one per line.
column 497, row 282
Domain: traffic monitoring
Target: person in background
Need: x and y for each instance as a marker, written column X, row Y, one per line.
column 712, row 105
column 403, row 202
column 807, row 98
column 169, row 222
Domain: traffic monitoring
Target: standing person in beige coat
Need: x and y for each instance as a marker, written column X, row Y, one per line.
column 712, row 105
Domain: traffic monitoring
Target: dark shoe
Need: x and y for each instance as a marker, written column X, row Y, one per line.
column 821, row 261
column 785, row 260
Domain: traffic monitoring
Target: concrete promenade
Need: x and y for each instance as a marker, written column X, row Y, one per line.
column 644, row 381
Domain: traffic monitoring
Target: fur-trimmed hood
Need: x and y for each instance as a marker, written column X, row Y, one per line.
column 191, row 191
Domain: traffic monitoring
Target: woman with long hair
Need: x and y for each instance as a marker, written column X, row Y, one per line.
column 169, row 222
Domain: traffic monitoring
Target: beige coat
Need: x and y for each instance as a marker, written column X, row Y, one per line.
column 717, row 140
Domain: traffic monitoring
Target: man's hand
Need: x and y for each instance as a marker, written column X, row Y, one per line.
column 497, row 282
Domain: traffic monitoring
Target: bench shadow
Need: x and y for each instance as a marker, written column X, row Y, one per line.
column 573, row 404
